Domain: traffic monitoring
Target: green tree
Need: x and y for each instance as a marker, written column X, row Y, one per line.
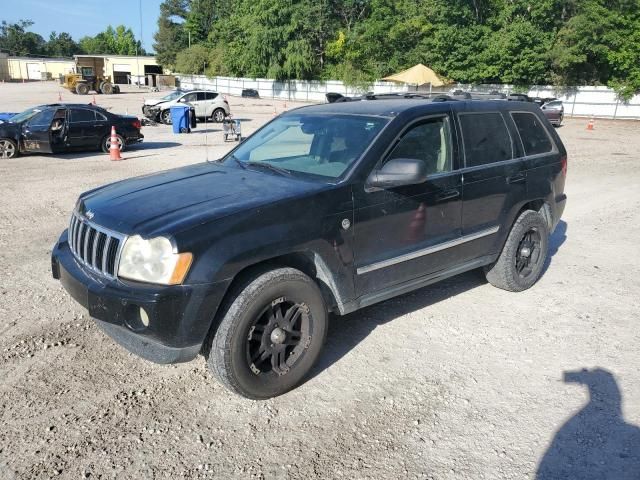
column 569, row 42
column 62, row 45
column 171, row 36
column 115, row 41
column 16, row 40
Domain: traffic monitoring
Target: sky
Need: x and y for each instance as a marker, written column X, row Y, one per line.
column 84, row 17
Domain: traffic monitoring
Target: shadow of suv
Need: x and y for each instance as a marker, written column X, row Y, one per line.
column 326, row 208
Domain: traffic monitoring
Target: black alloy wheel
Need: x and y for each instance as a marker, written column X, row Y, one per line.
column 529, row 253
column 279, row 336
column 270, row 333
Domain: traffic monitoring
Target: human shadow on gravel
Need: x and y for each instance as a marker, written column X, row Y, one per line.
column 348, row 331
column 596, row 442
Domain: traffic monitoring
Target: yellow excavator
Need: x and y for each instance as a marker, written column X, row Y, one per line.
column 86, row 81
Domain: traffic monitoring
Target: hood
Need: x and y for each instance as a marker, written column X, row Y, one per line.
column 153, row 101
column 172, row 201
column 4, row 116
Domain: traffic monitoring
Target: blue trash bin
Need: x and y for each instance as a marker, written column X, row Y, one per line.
column 180, row 119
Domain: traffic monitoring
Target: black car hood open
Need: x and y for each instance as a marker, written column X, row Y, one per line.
column 174, row 200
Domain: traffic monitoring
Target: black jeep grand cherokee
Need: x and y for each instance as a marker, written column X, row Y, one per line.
column 327, row 208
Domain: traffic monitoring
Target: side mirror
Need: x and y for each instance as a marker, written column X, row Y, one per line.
column 399, row 172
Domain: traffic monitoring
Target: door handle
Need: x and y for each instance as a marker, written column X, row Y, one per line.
column 447, row 195
column 517, row 178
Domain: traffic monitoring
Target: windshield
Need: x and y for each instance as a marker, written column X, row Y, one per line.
column 318, row 145
column 26, row 115
column 172, row 95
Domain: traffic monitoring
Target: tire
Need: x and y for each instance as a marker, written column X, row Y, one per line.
column 105, row 144
column 523, row 256
column 165, row 117
column 107, row 88
column 218, row 115
column 8, row 148
column 82, row 89
column 249, row 353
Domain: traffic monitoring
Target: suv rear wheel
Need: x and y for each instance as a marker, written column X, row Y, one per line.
column 520, row 264
column 270, row 335
column 106, row 143
column 218, row 115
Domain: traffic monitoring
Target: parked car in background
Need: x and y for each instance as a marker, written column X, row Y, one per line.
column 208, row 105
column 542, row 100
column 554, row 111
column 60, row 127
column 250, row 93
column 519, row 97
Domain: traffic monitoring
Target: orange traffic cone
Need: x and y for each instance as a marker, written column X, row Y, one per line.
column 274, row 111
column 591, row 124
column 416, row 227
column 94, row 100
column 285, row 105
column 114, row 149
column 59, row 96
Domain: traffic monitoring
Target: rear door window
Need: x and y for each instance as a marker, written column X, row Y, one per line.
column 82, row 115
column 535, row 139
column 202, row 96
column 486, row 138
column 210, row 95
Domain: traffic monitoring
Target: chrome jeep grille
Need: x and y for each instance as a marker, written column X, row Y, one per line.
column 95, row 247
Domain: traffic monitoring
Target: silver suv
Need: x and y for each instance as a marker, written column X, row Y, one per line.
column 210, row 105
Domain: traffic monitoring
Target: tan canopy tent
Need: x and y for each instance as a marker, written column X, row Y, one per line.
column 417, row 75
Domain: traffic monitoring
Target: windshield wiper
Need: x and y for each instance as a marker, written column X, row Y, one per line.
column 235, row 159
column 270, row 166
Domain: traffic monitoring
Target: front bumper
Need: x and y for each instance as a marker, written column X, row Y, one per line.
column 179, row 316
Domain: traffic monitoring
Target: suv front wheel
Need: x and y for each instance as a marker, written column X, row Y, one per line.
column 270, row 335
column 522, row 260
column 165, row 117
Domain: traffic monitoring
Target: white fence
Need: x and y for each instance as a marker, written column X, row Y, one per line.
column 294, row 90
column 601, row 102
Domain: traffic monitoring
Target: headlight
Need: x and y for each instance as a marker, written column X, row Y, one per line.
column 153, row 261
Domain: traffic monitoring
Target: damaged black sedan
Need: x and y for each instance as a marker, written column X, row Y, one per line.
column 58, row 127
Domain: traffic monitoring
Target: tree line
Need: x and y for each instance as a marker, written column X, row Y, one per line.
column 522, row 42
column 16, row 39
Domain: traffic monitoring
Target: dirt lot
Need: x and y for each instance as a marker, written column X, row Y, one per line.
column 458, row 380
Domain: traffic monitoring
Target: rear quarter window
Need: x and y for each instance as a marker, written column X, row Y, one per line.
column 486, row 138
column 534, row 136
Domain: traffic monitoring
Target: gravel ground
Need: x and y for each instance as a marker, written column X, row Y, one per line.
column 457, row 380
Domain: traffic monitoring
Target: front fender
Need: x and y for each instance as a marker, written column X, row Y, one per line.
column 283, row 233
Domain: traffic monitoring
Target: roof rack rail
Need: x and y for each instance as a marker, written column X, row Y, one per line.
column 434, row 97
